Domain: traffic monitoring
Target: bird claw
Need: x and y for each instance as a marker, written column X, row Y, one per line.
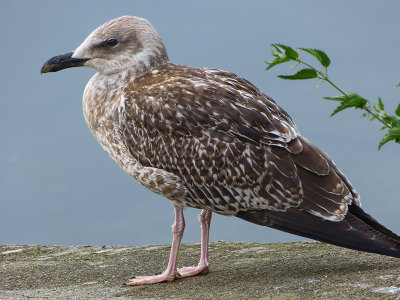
column 157, row 273
column 168, row 276
column 193, row 271
column 158, row 278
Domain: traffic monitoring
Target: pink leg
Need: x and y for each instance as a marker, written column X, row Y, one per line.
column 202, row 267
column 171, row 273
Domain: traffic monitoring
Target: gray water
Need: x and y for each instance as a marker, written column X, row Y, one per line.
column 57, row 186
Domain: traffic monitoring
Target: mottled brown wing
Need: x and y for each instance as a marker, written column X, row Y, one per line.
column 230, row 144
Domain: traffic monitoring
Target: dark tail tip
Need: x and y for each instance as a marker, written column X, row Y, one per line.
column 358, row 231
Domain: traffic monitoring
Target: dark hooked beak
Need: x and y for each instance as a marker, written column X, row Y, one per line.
column 61, row 62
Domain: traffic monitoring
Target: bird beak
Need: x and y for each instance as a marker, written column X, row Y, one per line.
column 61, row 62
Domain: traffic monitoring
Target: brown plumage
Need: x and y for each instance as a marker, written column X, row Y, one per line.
column 207, row 139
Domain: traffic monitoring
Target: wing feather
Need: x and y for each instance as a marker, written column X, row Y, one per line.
column 232, row 146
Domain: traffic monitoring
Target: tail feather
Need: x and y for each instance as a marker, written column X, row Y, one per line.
column 358, row 231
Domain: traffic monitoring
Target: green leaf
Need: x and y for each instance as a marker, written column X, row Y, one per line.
column 351, row 100
column 277, row 48
column 289, row 51
column 392, row 135
column 337, row 98
column 392, row 120
column 318, row 54
column 397, row 111
column 398, row 85
column 302, row 74
column 277, row 61
column 381, row 106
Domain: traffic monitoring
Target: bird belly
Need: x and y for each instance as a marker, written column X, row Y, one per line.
column 159, row 181
column 103, row 121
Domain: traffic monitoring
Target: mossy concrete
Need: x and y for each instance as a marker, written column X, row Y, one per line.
column 301, row 270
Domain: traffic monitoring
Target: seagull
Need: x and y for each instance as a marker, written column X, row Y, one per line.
column 208, row 139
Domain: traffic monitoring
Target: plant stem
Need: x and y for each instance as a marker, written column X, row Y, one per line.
column 325, row 78
column 335, row 86
column 377, row 117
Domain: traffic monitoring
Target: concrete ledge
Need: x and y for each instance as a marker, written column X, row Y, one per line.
column 302, row 270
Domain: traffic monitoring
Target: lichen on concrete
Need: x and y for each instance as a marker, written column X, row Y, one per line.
column 301, row 270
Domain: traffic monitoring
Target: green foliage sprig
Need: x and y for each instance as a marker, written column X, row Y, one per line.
column 283, row 54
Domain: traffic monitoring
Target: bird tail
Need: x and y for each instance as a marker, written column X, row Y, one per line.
column 358, row 230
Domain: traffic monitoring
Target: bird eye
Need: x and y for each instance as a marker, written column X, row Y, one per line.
column 112, row 42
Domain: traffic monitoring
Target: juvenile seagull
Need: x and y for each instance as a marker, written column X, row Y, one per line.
column 207, row 139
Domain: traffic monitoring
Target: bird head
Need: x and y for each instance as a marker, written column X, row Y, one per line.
column 123, row 43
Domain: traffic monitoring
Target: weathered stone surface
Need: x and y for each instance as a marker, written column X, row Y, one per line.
column 303, row 270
